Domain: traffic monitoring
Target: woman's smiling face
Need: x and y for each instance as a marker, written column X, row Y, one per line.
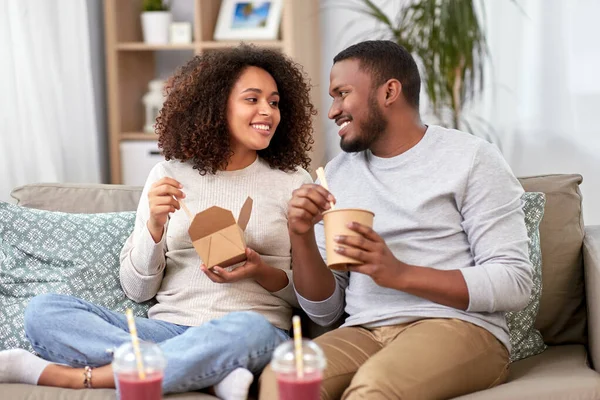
column 253, row 111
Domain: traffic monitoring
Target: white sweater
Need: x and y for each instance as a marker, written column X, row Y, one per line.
column 450, row 202
column 170, row 269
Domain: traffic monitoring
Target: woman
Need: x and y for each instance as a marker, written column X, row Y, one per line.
column 235, row 123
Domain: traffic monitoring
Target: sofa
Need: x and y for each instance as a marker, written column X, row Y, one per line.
column 568, row 317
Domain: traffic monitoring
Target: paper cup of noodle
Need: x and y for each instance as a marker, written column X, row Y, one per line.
column 336, row 223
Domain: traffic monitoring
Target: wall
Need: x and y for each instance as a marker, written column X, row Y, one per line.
column 168, row 61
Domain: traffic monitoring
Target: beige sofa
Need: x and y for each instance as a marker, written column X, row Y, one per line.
column 569, row 317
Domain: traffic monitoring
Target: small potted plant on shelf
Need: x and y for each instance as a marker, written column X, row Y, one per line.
column 156, row 19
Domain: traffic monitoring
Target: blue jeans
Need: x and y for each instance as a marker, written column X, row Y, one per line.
column 68, row 330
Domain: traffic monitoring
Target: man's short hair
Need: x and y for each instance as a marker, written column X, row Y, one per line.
column 384, row 60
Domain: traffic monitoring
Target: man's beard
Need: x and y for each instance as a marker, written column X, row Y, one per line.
column 368, row 131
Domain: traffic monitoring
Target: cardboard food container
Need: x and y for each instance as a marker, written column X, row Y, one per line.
column 217, row 238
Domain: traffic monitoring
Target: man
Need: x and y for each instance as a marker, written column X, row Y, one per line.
column 446, row 257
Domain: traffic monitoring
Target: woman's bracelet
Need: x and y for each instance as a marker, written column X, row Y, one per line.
column 87, row 377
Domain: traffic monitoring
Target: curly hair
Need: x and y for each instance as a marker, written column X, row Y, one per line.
column 192, row 125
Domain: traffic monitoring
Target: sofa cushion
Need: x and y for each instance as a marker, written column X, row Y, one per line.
column 591, row 262
column 55, row 252
column 562, row 315
column 560, row 372
column 78, row 198
column 525, row 340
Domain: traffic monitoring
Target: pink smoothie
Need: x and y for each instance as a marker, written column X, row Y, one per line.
column 293, row 388
column 131, row 387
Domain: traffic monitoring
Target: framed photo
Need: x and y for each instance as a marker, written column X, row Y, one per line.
column 248, row 20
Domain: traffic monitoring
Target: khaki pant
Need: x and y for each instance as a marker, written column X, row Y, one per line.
column 426, row 359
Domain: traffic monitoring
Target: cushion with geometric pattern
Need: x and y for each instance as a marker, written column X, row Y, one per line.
column 526, row 341
column 55, row 252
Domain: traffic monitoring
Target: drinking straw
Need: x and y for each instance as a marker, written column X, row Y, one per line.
column 298, row 346
column 136, row 343
column 321, row 176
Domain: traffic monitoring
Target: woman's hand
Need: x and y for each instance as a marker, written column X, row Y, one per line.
column 270, row 278
column 251, row 269
column 163, row 199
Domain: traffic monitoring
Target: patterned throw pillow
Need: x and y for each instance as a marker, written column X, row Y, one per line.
column 527, row 341
column 55, row 252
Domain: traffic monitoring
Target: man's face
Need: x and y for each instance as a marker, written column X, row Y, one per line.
column 355, row 108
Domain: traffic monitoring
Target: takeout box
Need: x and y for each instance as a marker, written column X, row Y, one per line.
column 217, row 238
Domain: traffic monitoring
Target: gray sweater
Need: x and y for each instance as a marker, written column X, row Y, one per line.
column 450, row 202
column 170, row 269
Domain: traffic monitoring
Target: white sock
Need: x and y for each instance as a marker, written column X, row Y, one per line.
column 20, row 366
column 235, row 386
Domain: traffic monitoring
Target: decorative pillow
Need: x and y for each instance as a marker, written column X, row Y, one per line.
column 527, row 341
column 55, row 252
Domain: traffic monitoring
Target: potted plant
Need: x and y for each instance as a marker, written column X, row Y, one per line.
column 448, row 41
column 156, row 19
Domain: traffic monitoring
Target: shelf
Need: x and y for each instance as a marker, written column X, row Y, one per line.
column 278, row 44
column 140, row 46
column 138, row 136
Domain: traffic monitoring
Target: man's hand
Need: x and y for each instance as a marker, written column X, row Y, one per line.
column 378, row 261
column 447, row 287
column 251, row 269
column 312, row 279
column 306, row 206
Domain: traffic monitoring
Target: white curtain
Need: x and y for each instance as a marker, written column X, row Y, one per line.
column 48, row 127
column 543, row 94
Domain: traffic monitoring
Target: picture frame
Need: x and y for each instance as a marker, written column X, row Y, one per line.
column 248, row 20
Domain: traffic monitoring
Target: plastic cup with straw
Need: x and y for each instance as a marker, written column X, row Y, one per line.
column 138, row 367
column 298, row 365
